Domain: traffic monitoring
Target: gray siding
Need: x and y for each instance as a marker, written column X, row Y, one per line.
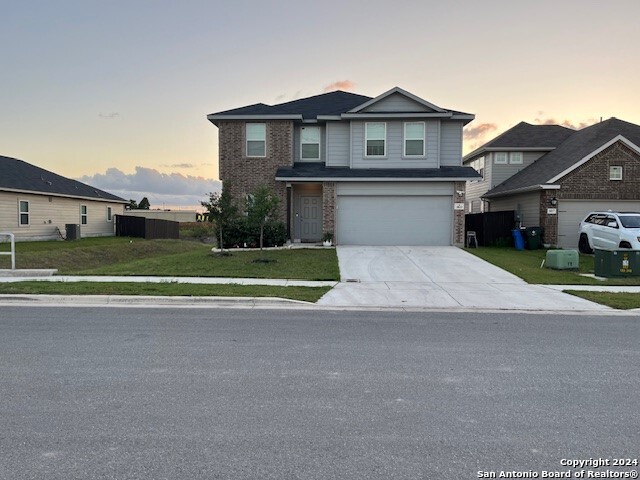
column 296, row 143
column 397, row 103
column 526, row 204
column 451, row 144
column 337, row 140
column 394, row 188
column 394, row 147
column 501, row 172
column 476, row 189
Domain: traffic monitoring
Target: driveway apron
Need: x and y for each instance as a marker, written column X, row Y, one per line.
column 437, row 277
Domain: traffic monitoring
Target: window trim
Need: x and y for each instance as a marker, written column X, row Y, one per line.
column 495, row 158
column 319, row 143
column 617, row 168
column 424, row 140
column 366, row 139
column 109, row 214
column 27, row 213
column 511, row 162
column 246, row 139
column 84, row 217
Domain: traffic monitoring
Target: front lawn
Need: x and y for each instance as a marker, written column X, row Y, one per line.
column 619, row 300
column 307, row 294
column 135, row 256
column 526, row 265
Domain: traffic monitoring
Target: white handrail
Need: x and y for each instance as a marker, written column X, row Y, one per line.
column 13, row 248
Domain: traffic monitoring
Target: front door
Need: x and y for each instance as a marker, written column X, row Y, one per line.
column 310, row 218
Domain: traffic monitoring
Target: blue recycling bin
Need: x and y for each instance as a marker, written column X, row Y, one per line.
column 518, row 240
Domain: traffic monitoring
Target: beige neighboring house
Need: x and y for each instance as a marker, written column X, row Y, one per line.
column 36, row 204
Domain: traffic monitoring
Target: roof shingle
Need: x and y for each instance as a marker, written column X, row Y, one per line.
column 20, row 175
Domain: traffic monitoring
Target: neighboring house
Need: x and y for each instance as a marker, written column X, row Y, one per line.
column 35, row 204
column 374, row 171
column 559, row 175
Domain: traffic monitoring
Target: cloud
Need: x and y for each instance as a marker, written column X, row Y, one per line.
column 173, row 189
column 179, row 165
column 479, row 131
column 109, row 116
column 566, row 123
column 346, row 85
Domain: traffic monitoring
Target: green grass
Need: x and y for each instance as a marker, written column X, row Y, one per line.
column 125, row 256
column 307, row 294
column 621, row 301
column 526, row 265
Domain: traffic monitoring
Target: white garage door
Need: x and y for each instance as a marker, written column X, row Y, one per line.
column 394, row 220
column 572, row 212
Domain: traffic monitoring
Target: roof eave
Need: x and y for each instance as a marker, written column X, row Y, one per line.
column 63, row 195
column 372, row 179
column 214, row 118
column 529, row 188
column 391, row 92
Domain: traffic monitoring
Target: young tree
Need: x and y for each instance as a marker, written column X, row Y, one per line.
column 222, row 210
column 133, row 205
column 144, row 204
column 261, row 206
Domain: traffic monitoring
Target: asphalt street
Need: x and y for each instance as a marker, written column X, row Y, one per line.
column 121, row 393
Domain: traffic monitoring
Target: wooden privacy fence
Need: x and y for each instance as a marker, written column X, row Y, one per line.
column 147, row 228
column 492, row 228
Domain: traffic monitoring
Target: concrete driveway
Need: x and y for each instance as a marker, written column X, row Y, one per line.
column 437, row 277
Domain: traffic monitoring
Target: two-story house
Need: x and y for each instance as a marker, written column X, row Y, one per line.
column 374, row 171
column 554, row 176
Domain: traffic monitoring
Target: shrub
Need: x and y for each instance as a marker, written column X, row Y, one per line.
column 241, row 232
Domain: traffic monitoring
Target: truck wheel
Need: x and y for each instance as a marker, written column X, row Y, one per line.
column 624, row 245
column 583, row 244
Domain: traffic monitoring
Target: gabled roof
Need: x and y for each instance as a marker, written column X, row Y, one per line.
column 334, row 106
column 574, row 151
column 399, row 90
column 526, row 136
column 318, row 171
column 332, row 103
column 20, row 176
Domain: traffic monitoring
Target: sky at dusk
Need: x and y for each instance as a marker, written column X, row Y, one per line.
column 116, row 93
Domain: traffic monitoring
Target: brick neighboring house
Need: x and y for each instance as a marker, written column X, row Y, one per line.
column 560, row 175
column 374, row 171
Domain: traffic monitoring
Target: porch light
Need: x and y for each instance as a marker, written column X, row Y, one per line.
column 553, row 201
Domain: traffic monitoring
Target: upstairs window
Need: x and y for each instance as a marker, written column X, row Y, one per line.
column 23, row 213
column 515, row 158
column 310, row 143
column 83, row 214
column 615, row 173
column 375, row 139
column 500, row 158
column 414, row 139
column 256, row 139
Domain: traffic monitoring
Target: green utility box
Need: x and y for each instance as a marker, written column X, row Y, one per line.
column 562, row 259
column 617, row 263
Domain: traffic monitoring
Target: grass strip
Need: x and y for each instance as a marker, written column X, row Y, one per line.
column 526, row 265
column 619, row 300
column 307, row 294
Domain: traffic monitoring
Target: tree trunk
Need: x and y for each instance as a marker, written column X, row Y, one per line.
column 221, row 244
column 261, row 237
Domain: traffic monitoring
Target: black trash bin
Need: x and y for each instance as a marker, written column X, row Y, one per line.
column 534, row 235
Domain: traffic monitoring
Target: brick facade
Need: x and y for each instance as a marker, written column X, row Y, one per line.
column 458, row 215
column 329, row 207
column 246, row 174
column 591, row 181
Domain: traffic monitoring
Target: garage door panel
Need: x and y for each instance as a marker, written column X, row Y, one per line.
column 572, row 212
column 394, row 220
